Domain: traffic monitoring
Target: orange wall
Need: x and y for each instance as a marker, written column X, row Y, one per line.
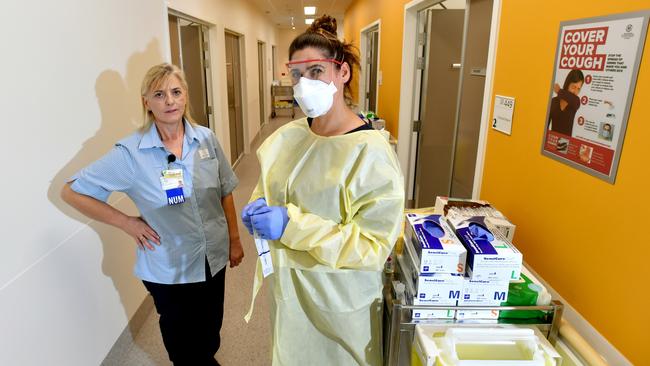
column 586, row 237
column 360, row 14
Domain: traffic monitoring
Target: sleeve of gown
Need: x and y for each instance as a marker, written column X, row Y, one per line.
column 373, row 205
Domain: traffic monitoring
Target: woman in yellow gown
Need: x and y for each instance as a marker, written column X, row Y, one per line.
column 330, row 201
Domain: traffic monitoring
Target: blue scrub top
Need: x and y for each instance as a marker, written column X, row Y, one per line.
column 189, row 232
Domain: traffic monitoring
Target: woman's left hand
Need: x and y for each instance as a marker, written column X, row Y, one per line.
column 236, row 253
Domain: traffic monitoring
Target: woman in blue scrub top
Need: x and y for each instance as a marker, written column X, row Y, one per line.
column 177, row 175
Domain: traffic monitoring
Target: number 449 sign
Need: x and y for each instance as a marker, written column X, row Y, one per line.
column 502, row 116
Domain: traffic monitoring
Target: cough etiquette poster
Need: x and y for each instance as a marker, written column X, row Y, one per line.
column 595, row 72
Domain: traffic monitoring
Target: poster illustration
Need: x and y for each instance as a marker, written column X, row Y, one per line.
column 595, row 71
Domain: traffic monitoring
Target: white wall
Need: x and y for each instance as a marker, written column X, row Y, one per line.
column 72, row 74
column 70, row 89
column 285, row 37
column 249, row 21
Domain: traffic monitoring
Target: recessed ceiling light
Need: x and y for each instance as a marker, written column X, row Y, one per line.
column 310, row 10
column 308, row 21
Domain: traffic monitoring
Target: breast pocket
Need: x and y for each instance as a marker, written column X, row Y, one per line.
column 206, row 173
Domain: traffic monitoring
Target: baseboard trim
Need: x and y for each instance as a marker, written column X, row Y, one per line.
column 125, row 341
column 607, row 351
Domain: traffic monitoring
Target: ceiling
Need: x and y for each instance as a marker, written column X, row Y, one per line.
column 281, row 11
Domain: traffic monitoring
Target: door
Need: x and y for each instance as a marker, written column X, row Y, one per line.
column 471, row 99
column 439, row 95
column 371, row 66
column 273, row 62
column 233, row 75
column 193, row 66
column 262, row 80
column 451, row 100
column 190, row 52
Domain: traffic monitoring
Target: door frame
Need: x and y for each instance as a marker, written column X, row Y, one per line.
column 274, row 66
column 206, row 28
column 363, row 41
column 409, row 96
column 262, row 84
column 243, row 90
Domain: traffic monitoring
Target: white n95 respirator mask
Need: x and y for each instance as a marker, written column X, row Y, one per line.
column 314, row 97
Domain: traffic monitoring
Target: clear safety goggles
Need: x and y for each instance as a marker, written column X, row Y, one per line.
column 312, row 69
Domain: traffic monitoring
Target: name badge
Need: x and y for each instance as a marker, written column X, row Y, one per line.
column 264, row 254
column 172, row 183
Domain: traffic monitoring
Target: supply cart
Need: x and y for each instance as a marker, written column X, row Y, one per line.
column 281, row 98
column 399, row 326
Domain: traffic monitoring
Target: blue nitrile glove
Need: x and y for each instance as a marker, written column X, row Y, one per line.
column 248, row 210
column 270, row 221
column 479, row 232
column 433, row 228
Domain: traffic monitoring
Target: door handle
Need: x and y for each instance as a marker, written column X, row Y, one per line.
column 455, row 66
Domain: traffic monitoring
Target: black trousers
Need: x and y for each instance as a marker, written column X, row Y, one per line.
column 190, row 318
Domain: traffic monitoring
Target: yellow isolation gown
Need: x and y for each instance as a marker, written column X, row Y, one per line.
column 345, row 200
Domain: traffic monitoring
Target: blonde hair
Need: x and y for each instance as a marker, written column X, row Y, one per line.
column 155, row 77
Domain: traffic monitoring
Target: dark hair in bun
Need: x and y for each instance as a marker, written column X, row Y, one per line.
column 322, row 35
column 325, row 23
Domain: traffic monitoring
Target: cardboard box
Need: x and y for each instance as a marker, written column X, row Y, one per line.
column 504, row 226
column 429, row 288
column 411, row 277
column 433, row 314
column 479, row 292
column 490, row 260
column 438, row 289
column 443, row 202
column 482, row 208
column 436, row 248
column 477, row 314
column 410, row 268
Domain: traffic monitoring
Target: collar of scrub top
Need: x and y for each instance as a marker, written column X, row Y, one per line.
column 151, row 139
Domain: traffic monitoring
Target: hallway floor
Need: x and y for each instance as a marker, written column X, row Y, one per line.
column 241, row 343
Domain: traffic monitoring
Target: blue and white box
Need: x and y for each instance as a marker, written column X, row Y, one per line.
column 490, row 256
column 433, row 314
column 481, row 292
column 437, row 249
column 492, row 315
column 438, row 289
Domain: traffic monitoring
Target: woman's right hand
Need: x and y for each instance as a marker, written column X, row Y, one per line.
column 248, row 210
column 143, row 234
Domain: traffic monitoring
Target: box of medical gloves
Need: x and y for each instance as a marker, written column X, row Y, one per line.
column 481, row 293
column 436, row 247
column 429, row 289
column 438, row 289
column 433, row 314
column 490, row 256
